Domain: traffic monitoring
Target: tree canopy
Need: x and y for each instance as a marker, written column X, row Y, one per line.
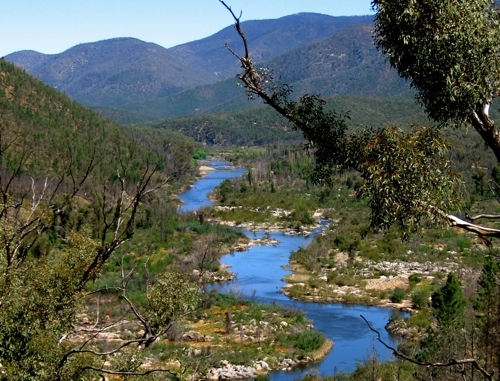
column 408, row 181
column 449, row 51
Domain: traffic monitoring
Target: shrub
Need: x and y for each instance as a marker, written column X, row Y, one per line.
column 314, row 282
column 414, row 279
column 308, row 341
column 398, row 295
column 420, row 298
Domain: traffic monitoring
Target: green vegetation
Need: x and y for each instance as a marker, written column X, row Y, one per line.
column 448, row 51
column 73, row 189
column 99, row 269
column 102, row 276
column 398, row 295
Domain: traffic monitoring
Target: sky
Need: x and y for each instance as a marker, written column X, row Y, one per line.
column 52, row 26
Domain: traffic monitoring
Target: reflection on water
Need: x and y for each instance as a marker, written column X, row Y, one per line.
column 260, row 271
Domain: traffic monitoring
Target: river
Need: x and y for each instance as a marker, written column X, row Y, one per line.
column 260, row 271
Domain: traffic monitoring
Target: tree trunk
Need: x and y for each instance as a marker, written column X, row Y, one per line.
column 485, row 126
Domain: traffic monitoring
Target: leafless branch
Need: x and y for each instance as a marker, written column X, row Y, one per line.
column 100, row 330
column 483, row 232
column 485, row 216
column 451, row 362
column 100, row 290
column 127, row 373
column 494, row 188
column 251, row 78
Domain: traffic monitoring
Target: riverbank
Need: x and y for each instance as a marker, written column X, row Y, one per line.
column 309, row 286
column 317, row 286
column 346, row 264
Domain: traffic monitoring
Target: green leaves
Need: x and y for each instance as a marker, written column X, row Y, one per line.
column 408, row 181
column 449, row 302
column 448, row 50
column 171, row 297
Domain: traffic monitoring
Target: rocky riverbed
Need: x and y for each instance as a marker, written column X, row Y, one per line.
column 363, row 285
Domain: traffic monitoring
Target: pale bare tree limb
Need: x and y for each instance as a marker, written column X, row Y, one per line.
column 484, row 233
column 128, row 373
column 485, row 216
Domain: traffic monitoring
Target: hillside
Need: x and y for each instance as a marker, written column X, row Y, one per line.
column 132, row 81
column 345, row 63
column 259, row 126
column 267, row 39
column 114, row 72
column 46, row 134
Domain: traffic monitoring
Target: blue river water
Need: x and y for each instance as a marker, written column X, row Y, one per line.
column 197, row 196
column 260, row 271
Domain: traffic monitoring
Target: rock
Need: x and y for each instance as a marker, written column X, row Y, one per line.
column 261, row 365
column 287, row 364
column 227, row 371
column 193, row 336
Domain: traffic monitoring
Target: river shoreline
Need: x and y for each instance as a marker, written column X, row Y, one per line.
column 268, row 239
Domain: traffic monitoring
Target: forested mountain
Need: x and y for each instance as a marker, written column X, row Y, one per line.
column 262, row 125
column 345, row 63
column 112, row 72
column 130, row 81
column 44, row 133
column 267, row 38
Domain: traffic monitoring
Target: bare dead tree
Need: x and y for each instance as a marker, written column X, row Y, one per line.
column 205, row 255
column 118, row 217
column 151, row 331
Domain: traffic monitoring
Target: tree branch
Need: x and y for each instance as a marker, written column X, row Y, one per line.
column 128, row 373
column 483, row 232
column 448, row 363
column 487, row 216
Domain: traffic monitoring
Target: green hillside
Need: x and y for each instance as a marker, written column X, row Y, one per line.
column 42, row 129
column 74, row 188
column 261, row 125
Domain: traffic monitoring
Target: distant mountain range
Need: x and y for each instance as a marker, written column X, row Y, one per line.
column 131, row 81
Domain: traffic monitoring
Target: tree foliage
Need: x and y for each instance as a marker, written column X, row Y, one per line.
column 336, row 149
column 408, row 181
column 449, row 301
column 449, row 52
column 71, row 187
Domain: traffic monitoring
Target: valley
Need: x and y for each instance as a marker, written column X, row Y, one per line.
column 157, row 223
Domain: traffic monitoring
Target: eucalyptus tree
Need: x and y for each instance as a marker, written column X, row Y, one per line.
column 448, row 52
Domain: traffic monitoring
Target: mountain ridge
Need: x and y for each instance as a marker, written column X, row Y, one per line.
column 132, row 81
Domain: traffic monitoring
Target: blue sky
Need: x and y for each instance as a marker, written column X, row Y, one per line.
column 52, row 26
